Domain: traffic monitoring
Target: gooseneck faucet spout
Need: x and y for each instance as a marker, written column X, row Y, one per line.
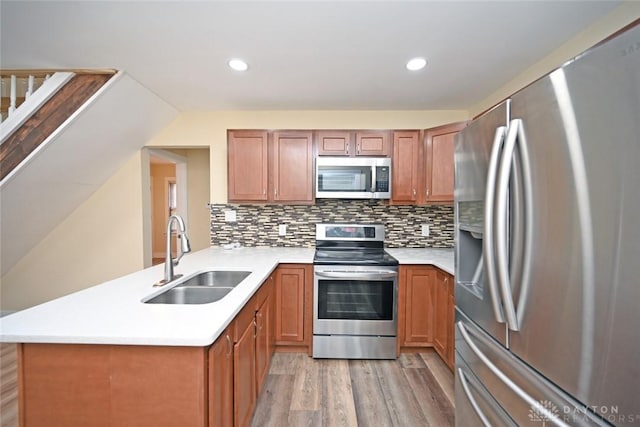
column 185, row 247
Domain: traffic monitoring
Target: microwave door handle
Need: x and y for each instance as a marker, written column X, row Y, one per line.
column 374, row 172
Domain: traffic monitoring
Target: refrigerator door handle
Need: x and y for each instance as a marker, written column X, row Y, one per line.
column 501, row 221
column 470, row 398
column 488, row 242
column 507, row 381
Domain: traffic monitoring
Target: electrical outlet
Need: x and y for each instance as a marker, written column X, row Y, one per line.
column 282, row 230
column 230, row 216
column 425, row 230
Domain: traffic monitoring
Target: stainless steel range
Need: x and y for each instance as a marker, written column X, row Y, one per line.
column 355, row 313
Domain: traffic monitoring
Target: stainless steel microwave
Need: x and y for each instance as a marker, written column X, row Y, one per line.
column 353, row 178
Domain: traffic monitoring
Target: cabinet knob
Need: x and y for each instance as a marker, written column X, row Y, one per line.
column 264, row 191
column 427, row 192
column 414, row 192
column 275, row 193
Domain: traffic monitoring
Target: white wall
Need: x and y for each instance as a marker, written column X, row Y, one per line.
column 621, row 16
column 100, row 240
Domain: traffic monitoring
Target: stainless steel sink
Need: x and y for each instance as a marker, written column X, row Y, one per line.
column 194, row 295
column 203, row 288
column 216, row 278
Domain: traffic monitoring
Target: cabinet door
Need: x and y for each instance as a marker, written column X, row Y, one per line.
column 244, row 387
column 247, row 165
column 263, row 344
column 451, row 350
column 334, row 143
column 417, row 294
column 406, row 165
column 439, row 160
column 372, row 143
column 290, row 305
column 221, row 381
column 293, row 166
column 440, row 337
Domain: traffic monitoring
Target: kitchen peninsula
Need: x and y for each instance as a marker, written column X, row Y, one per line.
column 155, row 361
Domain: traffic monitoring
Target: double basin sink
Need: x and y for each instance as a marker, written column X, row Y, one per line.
column 202, row 288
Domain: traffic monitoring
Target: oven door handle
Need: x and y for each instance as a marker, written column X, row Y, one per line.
column 358, row 275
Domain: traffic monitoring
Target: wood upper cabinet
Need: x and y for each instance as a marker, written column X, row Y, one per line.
column 292, row 166
column 416, row 298
column 293, row 305
column 221, row 381
column 247, row 163
column 439, row 177
column 372, row 143
column 334, row 143
column 406, row 167
column 353, row 143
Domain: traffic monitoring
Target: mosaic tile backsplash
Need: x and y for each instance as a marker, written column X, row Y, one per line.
column 257, row 225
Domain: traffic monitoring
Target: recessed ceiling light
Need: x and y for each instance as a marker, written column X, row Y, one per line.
column 416, row 64
column 238, row 64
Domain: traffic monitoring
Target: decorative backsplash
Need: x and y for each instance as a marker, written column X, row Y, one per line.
column 257, row 225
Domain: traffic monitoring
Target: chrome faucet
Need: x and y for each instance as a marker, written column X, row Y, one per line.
column 185, row 247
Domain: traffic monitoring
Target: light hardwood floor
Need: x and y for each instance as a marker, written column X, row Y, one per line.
column 415, row 390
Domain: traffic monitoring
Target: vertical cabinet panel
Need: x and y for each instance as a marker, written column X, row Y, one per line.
column 440, row 338
column 244, row 388
column 264, row 334
column 293, row 166
column 405, row 166
column 439, row 178
column 290, row 297
column 221, row 381
column 417, row 291
column 247, row 165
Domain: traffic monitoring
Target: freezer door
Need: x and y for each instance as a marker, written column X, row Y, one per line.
column 474, row 149
column 475, row 407
column 522, row 393
column 578, row 317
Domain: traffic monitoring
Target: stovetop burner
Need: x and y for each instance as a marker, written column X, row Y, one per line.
column 351, row 244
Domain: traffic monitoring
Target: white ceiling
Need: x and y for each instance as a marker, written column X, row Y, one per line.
column 303, row 55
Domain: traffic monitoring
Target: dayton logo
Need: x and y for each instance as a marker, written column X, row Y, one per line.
column 543, row 411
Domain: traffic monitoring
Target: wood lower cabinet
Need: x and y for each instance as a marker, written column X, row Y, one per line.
column 264, row 332
column 426, row 311
column 416, row 298
column 439, row 178
column 244, row 375
column 293, row 292
column 105, row 385
column 221, row 380
column 441, row 335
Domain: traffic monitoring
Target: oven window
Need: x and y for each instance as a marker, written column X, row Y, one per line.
column 355, row 300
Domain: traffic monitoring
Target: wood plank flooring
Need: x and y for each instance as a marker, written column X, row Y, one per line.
column 415, row 390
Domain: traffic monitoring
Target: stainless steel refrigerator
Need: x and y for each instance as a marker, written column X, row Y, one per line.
column 548, row 249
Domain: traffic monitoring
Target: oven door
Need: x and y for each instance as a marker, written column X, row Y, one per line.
column 355, row 300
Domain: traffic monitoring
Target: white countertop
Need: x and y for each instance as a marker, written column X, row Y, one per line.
column 113, row 312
